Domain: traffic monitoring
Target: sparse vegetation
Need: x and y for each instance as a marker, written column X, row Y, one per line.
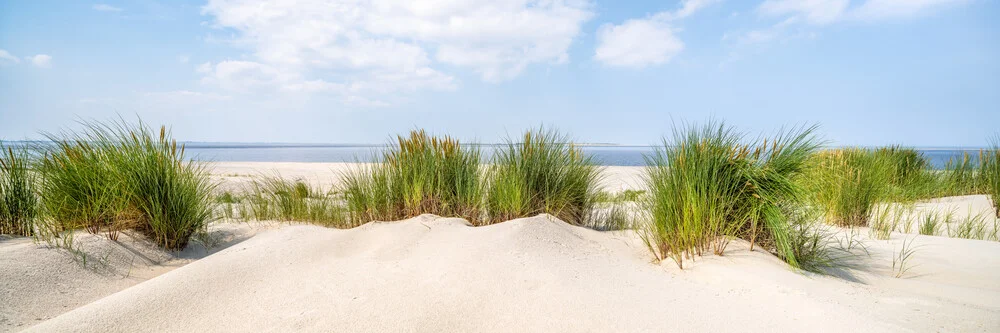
column 18, row 195
column 276, row 198
column 707, row 185
column 929, row 224
column 901, row 260
column 989, row 168
column 974, row 226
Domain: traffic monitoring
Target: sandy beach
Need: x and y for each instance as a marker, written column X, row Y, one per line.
column 234, row 175
column 538, row 274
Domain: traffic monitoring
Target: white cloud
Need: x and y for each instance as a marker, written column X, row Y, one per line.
column 105, row 8
column 820, row 12
column 183, row 58
column 884, row 9
column 800, row 18
column 688, row 8
column 637, row 43
column 357, row 47
column 40, row 60
column 6, row 58
column 186, row 95
column 812, row 11
column 644, row 42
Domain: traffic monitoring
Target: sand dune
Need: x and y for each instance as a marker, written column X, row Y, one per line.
column 430, row 274
column 38, row 282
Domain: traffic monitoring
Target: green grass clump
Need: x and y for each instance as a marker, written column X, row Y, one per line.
column 848, row 183
column 419, row 174
column 110, row 177
column 275, row 198
column 543, row 173
column 18, row 196
column 707, row 186
column 959, row 177
column 929, row 224
column 989, row 173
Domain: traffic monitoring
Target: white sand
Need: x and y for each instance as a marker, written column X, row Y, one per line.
column 431, row 274
column 233, row 175
column 38, row 282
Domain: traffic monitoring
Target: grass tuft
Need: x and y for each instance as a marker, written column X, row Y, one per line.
column 18, row 195
column 275, row 198
column 418, row 174
column 707, row 186
column 989, row 172
column 543, row 173
column 114, row 176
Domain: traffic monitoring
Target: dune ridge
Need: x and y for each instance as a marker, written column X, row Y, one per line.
column 536, row 274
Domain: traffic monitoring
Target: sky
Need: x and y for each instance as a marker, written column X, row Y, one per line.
column 920, row 73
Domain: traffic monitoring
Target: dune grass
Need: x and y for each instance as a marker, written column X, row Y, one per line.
column 929, row 224
column 959, row 177
column 542, row 173
column 848, row 183
column 276, row 198
column 115, row 176
column 989, row 173
column 418, row 174
column 708, row 184
column 18, row 193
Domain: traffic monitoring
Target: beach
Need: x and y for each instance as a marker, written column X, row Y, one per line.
column 536, row 274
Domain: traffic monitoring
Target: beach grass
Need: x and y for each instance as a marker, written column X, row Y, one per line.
column 118, row 175
column 959, row 177
column 848, row 183
column 542, row 172
column 276, row 198
column 708, row 185
column 418, row 174
column 18, row 193
column 929, row 224
column 989, row 173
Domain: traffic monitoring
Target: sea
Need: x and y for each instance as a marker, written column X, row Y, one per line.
column 608, row 155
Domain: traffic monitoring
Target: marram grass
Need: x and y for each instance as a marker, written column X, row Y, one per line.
column 708, row 185
column 989, row 173
column 18, row 194
column 419, row 174
column 275, row 198
column 542, row 172
column 113, row 176
column 848, row 183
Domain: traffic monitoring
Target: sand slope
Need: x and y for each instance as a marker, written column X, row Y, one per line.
column 38, row 282
column 431, row 274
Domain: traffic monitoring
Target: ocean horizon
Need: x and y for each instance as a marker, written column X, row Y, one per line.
column 605, row 154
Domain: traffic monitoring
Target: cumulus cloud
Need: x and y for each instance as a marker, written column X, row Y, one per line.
column 105, row 8
column 644, row 42
column 7, row 58
column 40, row 60
column 356, row 47
column 637, row 43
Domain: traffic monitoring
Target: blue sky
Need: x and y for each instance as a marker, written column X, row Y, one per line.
column 869, row 72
